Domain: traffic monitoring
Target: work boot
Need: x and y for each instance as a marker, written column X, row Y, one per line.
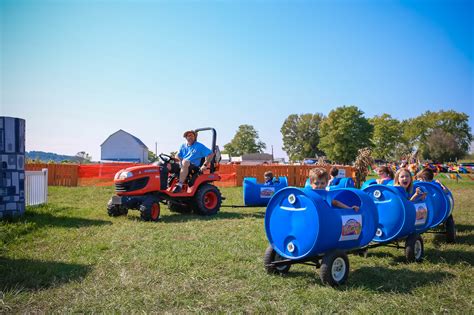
column 177, row 189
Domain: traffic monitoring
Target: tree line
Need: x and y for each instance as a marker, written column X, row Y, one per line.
column 438, row 136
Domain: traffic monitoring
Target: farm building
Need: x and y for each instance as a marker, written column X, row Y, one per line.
column 256, row 159
column 123, row 147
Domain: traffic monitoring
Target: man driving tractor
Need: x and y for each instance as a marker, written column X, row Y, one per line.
column 190, row 156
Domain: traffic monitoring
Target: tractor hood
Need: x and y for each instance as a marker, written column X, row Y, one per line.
column 137, row 171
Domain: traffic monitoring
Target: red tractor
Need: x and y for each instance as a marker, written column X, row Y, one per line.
column 144, row 187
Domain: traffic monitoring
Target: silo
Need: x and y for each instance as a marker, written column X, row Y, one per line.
column 12, row 167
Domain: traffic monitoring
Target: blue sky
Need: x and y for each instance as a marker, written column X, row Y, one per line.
column 78, row 71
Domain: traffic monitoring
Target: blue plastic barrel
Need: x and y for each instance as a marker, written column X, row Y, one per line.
column 396, row 214
column 258, row 194
column 450, row 197
column 439, row 201
column 374, row 182
column 301, row 223
column 368, row 183
column 343, row 182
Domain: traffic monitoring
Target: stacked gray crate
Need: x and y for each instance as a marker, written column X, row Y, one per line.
column 12, row 167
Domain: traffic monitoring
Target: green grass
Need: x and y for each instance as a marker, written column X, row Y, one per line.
column 69, row 256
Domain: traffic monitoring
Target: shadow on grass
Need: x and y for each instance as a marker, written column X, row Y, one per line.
column 18, row 274
column 42, row 219
column 439, row 239
column 178, row 217
column 381, row 279
column 464, row 228
column 34, row 221
column 186, row 217
column 449, row 256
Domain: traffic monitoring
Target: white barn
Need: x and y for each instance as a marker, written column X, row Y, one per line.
column 124, row 147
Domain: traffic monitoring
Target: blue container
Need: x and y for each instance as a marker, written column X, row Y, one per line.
column 451, row 202
column 374, row 182
column 368, row 183
column 301, row 223
column 442, row 201
column 342, row 182
column 258, row 194
column 398, row 217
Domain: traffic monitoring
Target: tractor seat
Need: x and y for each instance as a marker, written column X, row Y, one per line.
column 193, row 173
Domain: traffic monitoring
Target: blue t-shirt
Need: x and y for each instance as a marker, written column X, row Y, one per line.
column 193, row 153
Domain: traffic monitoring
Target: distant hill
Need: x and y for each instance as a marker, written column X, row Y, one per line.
column 49, row 156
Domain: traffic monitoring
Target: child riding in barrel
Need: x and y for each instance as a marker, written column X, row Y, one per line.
column 269, row 179
column 404, row 179
column 318, row 178
column 333, row 180
column 385, row 175
column 427, row 175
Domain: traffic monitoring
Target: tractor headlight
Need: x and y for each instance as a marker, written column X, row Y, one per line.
column 123, row 175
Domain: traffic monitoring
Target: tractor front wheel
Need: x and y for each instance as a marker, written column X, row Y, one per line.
column 115, row 210
column 150, row 209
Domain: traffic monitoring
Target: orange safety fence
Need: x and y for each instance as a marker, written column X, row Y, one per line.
column 228, row 174
column 100, row 174
column 231, row 175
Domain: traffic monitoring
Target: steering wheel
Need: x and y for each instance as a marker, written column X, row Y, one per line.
column 165, row 157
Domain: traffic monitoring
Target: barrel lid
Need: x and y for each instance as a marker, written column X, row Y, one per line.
column 292, row 222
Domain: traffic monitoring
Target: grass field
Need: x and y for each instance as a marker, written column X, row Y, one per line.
column 69, row 256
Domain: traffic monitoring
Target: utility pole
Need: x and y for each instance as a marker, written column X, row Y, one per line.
column 273, row 159
column 156, row 148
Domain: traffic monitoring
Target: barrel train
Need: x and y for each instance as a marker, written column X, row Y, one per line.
column 302, row 227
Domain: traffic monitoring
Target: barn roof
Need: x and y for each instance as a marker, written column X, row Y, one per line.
column 135, row 138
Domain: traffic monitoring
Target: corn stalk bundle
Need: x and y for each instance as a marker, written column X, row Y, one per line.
column 362, row 165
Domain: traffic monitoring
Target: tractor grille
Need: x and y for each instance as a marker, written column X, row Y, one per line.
column 132, row 185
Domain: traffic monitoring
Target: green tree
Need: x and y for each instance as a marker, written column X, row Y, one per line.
column 443, row 146
column 301, row 136
column 386, row 138
column 152, row 157
column 83, row 157
column 245, row 141
column 417, row 130
column 343, row 133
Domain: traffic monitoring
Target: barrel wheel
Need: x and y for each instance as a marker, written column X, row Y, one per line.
column 334, row 268
column 450, row 229
column 150, row 209
column 414, row 248
column 271, row 256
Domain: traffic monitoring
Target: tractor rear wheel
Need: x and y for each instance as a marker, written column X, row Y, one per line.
column 208, row 200
column 150, row 209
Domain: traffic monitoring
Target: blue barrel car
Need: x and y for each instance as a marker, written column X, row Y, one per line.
column 302, row 226
column 373, row 181
column 339, row 182
column 401, row 219
column 258, row 194
column 443, row 204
